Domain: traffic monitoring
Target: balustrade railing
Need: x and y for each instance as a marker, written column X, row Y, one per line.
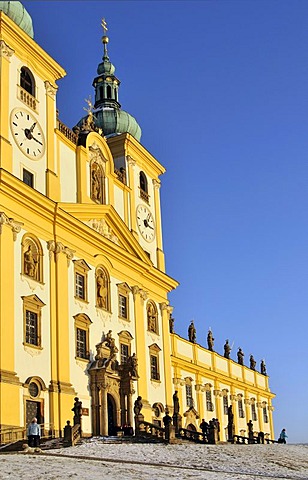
column 14, row 434
column 67, row 132
column 151, row 430
column 27, row 98
column 192, row 435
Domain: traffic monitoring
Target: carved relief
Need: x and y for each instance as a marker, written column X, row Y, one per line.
column 101, row 227
column 102, row 289
column 57, row 248
column 5, row 50
column 32, row 255
column 51, row 90
column 10, row 222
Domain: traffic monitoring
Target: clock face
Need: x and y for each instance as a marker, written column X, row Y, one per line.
column 27, row 133
column 145, row 222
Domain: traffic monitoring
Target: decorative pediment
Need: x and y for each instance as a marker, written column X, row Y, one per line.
column 124, row 334
column 82, row 264
column 83, row 318
column 124, row 287
column 191, row 412
column 34, row 300
column 154, row 347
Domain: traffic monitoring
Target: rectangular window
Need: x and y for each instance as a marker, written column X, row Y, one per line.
column 32, row 328
column 241, row 413
column 124, row 352
column 154, row 368
column 80, row 286
column 225, row 404
column 253, row 412
column 28, row 178
column 81, row 343
column 189, row 397
column 122, row 306
column 209, row 403
column 265, row 416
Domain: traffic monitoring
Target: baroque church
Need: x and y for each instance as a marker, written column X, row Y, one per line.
column 84, row 307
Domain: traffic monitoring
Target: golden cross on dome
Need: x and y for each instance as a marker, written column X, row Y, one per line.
column 104, row 25
column 90, row 107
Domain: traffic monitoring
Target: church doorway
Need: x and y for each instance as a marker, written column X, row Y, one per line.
column 112, row 415
column 33, row 409
column 191, row 427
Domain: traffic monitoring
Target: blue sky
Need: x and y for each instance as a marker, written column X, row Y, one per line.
column 220, row 89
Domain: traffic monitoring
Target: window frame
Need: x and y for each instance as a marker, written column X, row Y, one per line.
column 123, row 292
column 81, row 269
column 82, row 323
column 154, row 350
column 33, row 304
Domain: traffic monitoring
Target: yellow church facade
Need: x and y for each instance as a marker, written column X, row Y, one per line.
column 84, row 307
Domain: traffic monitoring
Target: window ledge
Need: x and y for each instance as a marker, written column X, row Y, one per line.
column 81, row 359
column 30, row 345
column 81, row 300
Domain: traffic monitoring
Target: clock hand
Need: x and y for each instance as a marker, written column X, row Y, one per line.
column 32, row 128
column 33, row 138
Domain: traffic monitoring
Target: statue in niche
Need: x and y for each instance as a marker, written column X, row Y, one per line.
column 152, row 318
column 263, row 367
column 210, row 340
column 96, row 183
column 101, row 291
column 240, row 357
column 192, row 332
column 138, row 406
column 30, row 263
column 171, row 323
column 252, row 363
column 227, row 349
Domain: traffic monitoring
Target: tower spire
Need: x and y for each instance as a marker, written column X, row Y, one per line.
column 105, row 39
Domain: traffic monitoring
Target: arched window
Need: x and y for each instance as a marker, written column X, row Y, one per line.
column 27, row 81
column 97, row 182
column 152, row 317
column 32, row 258
column 102, row 289
column 143, row 183
column 109, row 91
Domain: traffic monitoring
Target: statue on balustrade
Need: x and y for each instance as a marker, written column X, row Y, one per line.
column 77, row 409
column 240, row 356
column 263, row 368
column 138, row 406
column 171, row 324
column 176, row 403
column 227, row 349
column 230, row 424
column 192, row 332
column 252, row 363
column 210, row 340
column 250, row 432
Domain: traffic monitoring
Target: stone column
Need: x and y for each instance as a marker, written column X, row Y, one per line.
column 104, row 410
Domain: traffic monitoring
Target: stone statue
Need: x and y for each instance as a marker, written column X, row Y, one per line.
column 230, row 423
column 210, row 341
column 240, row 356
column 192, row 332
column 176, row 403
column 263, row 368
column 132, row 363
column 167, row 421
column 250, row 431
column 227, row 349
column 252, row 363
column 77, row 409
column 152, row 318
column 171, row 324
column 110, row 342
column 30, row 263
column 101, row 292
column 95, row 183
column 138, row 406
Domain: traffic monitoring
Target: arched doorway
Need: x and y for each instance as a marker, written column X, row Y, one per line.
column 191, row 427
column 112, row 415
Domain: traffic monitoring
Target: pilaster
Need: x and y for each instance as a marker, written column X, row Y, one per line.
column 166, row 310
column 52, row 175
column 5, row 146
column 159, row 237
column 131, row 165
column 140, row 296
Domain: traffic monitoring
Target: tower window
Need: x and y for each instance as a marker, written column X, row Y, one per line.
column 143, row 185
column 109, row 91
column 27, row 178
column 27, row 81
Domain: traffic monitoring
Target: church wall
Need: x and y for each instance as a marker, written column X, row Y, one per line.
column 68, row 180
column 119, row 201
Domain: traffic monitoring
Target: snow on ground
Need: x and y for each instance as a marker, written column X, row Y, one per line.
column 97, row 460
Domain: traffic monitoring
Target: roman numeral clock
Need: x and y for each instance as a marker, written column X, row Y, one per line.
column 27, row 133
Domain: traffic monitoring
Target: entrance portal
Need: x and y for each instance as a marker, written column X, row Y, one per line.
column 112, row 430
column 33, row 409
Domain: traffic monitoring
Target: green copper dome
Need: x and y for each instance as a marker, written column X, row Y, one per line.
column 17, row 12
column 106, row 113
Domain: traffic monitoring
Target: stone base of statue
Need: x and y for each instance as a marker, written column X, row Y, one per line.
column 170, row 433
column 138, row 420
column 177, row 422
column 231, row 432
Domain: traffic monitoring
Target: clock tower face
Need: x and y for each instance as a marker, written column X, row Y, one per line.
column 145, row 222
column 27, row 133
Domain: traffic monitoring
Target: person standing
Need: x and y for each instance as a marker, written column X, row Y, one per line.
column 34, row 433
column 283, row 435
